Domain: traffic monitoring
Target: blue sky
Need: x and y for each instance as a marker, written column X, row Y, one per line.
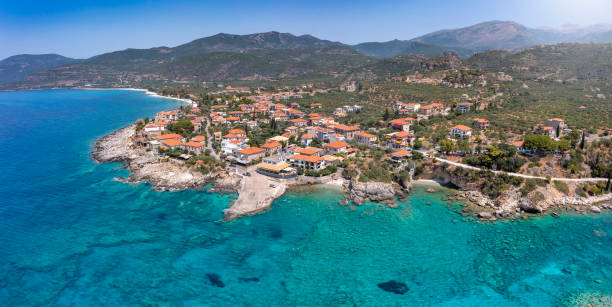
column 85, row 28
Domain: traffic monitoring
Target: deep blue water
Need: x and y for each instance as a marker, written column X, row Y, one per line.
column 70, row 235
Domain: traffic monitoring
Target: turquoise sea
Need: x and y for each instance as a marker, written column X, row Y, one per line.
column 70, row 235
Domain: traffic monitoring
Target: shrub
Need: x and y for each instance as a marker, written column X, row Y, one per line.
column 561, row 186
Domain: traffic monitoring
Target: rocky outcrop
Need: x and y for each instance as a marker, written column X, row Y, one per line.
column 227, row 183
column 147, row 166
column 510, row 203
column 360, row 192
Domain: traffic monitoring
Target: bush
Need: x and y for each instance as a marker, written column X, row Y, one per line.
column 561, row 186
column 530, row 185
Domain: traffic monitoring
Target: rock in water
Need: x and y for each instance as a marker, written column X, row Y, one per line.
column 360, row 192
column 394, row 287
column 595, row 209
column 485, row 215
column 215, row 280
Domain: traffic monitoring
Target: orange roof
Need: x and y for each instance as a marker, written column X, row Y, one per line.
column 346, row 128
column 199, row 138
column 365, row 135
column 401, row 153
column 194, row 144
column 548, row 128
column 169, row 136
column 337, row 144
column 307, row 158
column 271, row 144
column 191, row 115
column 298, row 120
column 308, row 151
column 402, row 134
column 426, row 107
column 307, row 136
column 518, row 144
column 219, row 107
column 556, row 119
column 481, row 120
column 233, row 118
column 237, row 131
column 462, row 128
column 251, row 150
column 172, row 142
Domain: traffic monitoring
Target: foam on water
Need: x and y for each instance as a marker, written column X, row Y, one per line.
column 70, row 235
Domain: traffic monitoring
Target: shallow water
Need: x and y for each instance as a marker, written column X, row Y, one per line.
column 70, row 235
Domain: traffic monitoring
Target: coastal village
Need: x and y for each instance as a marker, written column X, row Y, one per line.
column 273, row 139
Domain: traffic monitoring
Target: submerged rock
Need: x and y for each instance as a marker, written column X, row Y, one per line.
column 595, row 209
column 394, row 287
column 215, row 280
column 248, row 279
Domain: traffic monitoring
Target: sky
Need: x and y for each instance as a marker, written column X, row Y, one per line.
column 82, row 29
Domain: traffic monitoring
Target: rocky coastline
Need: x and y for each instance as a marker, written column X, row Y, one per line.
column 165, row 174
column 145, row 166
column 510, row 203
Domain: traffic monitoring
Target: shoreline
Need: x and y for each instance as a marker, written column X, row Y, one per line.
column 257, row 192
column 153, row 94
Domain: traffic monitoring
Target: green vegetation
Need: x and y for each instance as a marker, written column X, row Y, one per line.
column 182, row 127
column 561, row 186
column 502, row 156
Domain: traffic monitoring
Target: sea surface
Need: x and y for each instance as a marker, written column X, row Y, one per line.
column 71, row 235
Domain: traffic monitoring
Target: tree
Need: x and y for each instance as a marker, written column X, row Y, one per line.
column 563, row 145
column 386, row 115
column 558, row 131
column 447, row 146
column 464, row 145
column 539, row 142
column 182, row 127
column 582, row 141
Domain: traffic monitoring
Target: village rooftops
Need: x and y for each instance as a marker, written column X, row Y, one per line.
column 251, row 151
column 308, row 151
column 272, row 144
column 169, row 136
column 237, row 131
column 401, row 153
column 194, row 144
column 402, row 134
column 337, row 144
column 481, row 120
column 342, row 127
column 365, row 135
column 462, row 128
column 307, row 136
column 314, row 159
column 172, row 142
column 198, row 138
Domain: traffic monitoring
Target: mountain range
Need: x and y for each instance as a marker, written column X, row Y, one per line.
column 15, row 68
column 273, row 55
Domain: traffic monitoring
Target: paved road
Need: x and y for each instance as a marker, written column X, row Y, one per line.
column 597, row 138
column 210, row 141
column 515, row 174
